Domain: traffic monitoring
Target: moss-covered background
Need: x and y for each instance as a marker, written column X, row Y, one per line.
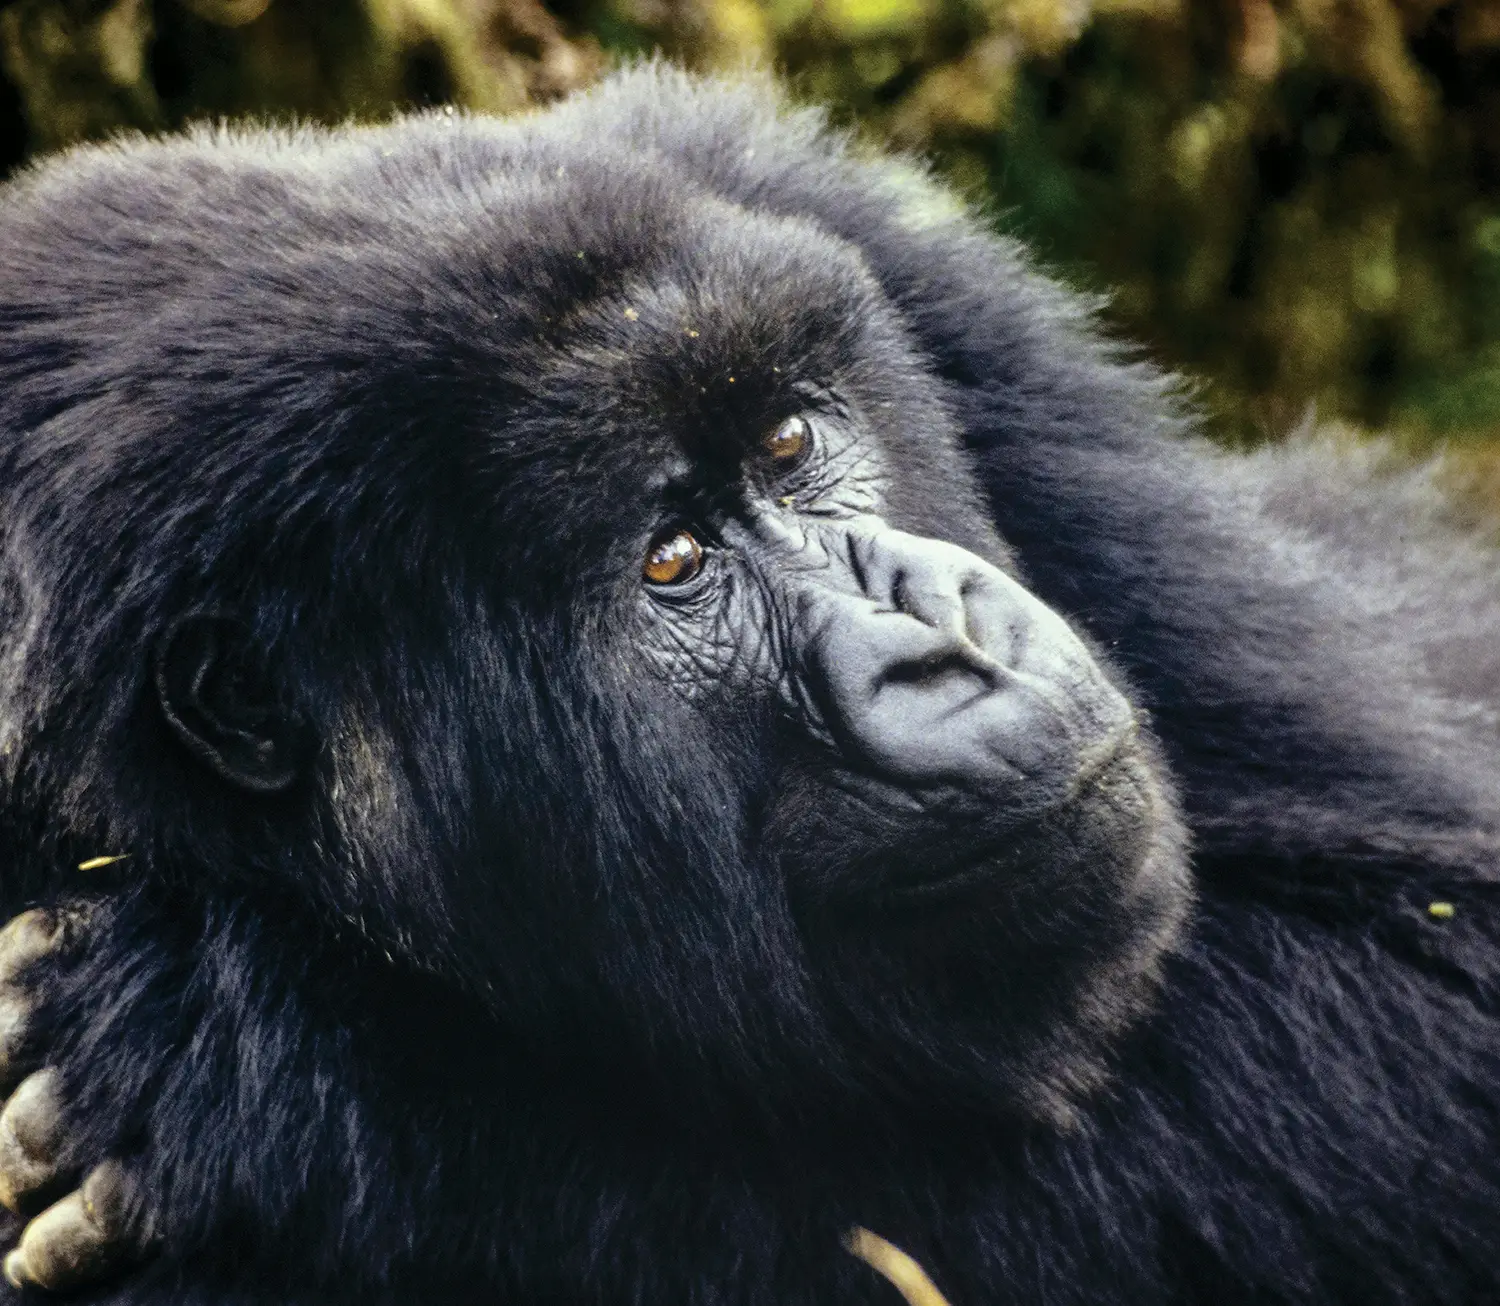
column 1297, row 201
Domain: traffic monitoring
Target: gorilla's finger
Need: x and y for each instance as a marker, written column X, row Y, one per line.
column 31, row 1128
column 16, row 1054
column 41, row 934
column 26, row 940
column 107, row 1190
column 77, row 1241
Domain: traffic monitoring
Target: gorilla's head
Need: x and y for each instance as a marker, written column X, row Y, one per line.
column 573, row 583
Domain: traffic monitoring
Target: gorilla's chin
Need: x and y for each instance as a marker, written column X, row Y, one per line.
column 1019, row 951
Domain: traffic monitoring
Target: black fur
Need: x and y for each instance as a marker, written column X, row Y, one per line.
column 361, row 1054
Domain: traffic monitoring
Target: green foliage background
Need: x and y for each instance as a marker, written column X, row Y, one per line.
column 1295, row 201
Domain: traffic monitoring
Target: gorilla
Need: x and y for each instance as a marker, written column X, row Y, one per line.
column 590, row 703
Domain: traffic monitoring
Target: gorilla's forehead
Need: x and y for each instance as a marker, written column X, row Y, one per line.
column 660, row 342
column 703, row 348
column 662, row 383
column 467, row 314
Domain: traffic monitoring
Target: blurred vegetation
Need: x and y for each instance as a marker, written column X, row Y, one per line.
column 1297, row 201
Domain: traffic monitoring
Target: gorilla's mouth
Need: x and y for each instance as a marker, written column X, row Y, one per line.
column 960, row 875
column 958, row 848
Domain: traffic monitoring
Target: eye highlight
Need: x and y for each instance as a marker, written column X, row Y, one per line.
column 673, row 558
column 789, row 441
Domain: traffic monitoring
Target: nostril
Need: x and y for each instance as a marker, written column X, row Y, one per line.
column 858, row 567
column 973, row 631
column 958, row 662
column 917, row 671
column 953, row 594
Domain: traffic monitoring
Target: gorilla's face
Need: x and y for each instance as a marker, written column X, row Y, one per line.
column 713, row 716
column 911, row 674
column 903, row 786
column 918, row 682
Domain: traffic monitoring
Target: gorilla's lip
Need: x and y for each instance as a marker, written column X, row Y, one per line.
column 977, row 868
column 978, row 863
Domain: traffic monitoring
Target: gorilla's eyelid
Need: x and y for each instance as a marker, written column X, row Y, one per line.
column 683, row 595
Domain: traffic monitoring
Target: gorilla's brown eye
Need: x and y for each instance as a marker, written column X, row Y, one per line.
column 790, row 440
column 672, row 559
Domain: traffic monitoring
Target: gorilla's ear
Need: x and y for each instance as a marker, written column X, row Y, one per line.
column 219, row 700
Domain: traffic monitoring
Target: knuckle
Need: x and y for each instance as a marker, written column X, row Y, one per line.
column 62, row 1248
column 21, row 1177
column 34, row 1112
column 15, row 1029
column 30, row 1133
column 27, row 939
column 75, row 920
column 107, row 1193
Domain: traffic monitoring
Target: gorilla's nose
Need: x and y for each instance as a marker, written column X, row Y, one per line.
column 936, row 667
column 945, row 589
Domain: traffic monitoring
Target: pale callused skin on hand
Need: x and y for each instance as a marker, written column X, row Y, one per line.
column 73, row 1237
